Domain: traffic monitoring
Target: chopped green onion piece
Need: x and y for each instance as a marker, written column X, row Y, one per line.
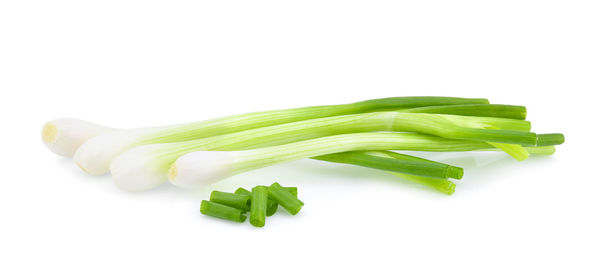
column 284, row 198
column 482, row 110
column 237, row 201
column 258, row 206
column 221, row 211
column 271, row 204
column 292, row 190
column 242, row 191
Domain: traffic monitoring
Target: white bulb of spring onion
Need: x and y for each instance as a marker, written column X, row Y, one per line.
column 140, row 168
column 95, row 155
column 64, row 136
column 204, row 167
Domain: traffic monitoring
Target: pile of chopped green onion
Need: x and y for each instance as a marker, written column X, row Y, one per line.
column 366, row 134
column 261, row 202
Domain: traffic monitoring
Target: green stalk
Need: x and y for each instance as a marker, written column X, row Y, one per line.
column 550, row 139
column 440, row 184
column 453, row 171
column 487, row 122
column 258, row 158
column 236, row 123
column 520, row 153
column 395, row 162
column 440, row 125
column 482, row 110
column 198, row 168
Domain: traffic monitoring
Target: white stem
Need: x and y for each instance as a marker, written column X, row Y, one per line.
column 64, row 136
column 95, row 155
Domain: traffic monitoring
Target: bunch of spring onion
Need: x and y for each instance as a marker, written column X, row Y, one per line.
column 363, row 133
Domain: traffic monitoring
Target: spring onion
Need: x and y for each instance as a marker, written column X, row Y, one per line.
column 198, row 168
column 64, row 136
column 94, row 156
column 258, row 206
column 145, row 167
column 222, row 211
column 361, row 133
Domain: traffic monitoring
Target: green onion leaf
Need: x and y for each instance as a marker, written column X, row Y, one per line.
column 481, row 110
column 396, row 163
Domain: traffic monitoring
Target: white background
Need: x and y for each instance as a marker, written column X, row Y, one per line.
column 140, row 63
